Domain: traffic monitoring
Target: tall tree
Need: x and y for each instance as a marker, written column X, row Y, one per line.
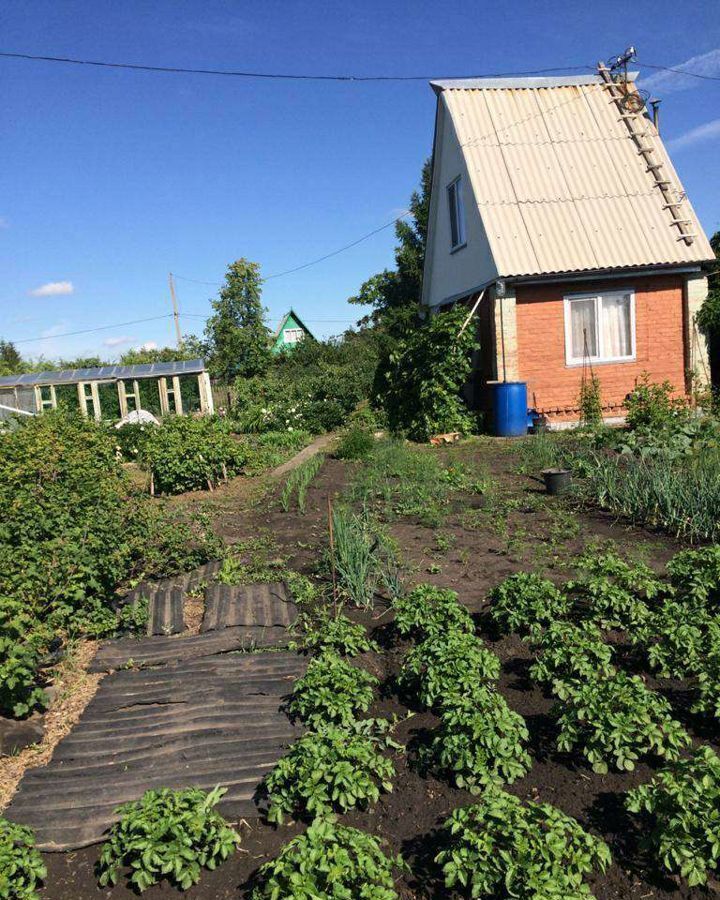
column 238, row 338
column 708, row 318
column 10, row 359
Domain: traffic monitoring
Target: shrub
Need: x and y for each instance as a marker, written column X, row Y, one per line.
column 567, row 654
column 22, row 640
column 683, row 802
column 322, row 630
column 330, row 861
column 616, row 720
column 480, row 741
column 502, row 848
column 429, row 611
column 332, row 769
column 21, row 866
column 332, row 690
column 421, row 394
column 187, row 454
column 526, row 599
column 355, row 443
column 167, row 834
column 446, row 666
column 652, row 406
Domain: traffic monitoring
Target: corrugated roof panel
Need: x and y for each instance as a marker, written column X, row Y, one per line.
column 559, row 182
column 109, row 373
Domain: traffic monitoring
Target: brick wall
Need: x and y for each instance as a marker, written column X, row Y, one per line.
column 553, row 387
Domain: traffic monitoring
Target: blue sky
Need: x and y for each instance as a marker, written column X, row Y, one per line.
column 110, row 179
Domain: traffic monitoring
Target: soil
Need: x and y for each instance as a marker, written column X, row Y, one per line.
column 492, row 539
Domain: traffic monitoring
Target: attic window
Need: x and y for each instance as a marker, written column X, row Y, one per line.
column 457, row 214
column 599, row 327
column 293, row 335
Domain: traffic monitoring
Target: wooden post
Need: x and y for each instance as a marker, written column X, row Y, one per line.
column 95, row 394
column 177, row 395
column 136, row 392
column 164, row 402
column 82, row 399
column 176, row 315
column 122, row 399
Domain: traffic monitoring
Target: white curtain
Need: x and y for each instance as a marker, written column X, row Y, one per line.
column 583, row 328
column 616, row 326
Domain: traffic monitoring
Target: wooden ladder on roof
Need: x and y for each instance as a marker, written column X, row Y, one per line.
column 673, row 199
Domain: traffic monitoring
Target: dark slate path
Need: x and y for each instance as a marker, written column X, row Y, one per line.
column 248, row 605
column 200, row 723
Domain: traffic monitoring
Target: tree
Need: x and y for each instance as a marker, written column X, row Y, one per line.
column 238, row 339
column 192, row 347
column 10, row 360
column 708, row 318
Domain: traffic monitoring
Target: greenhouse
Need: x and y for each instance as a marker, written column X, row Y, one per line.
column 111, row 392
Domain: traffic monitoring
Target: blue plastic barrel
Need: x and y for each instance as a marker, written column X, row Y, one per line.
column 510, row 408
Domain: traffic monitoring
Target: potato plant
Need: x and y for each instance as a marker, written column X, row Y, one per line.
column 568, row 653
column 429, row 611
column 615, row 721
column 332, row 690
column 480, row 741
column 332, row 769
column 322, row 630
column 524, row 600
column 167, row 834
column 21, row 866
column 708, row 680
column 330, row 861
column 502, row 848
column 695, row 575
column 675, row 638
column 683, row 804
column 449, row 665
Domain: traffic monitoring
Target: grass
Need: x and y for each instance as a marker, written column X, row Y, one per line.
column 298, row 482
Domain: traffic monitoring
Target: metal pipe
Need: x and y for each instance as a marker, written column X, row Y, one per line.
column 655, row 103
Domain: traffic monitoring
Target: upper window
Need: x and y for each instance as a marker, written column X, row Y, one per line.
column 599, row 327
column 457, row 214
column 293, row 335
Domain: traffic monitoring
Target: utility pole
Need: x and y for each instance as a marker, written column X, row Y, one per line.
column 176, row 315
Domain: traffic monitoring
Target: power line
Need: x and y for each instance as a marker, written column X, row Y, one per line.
column 312, row 262
column 678, row 71
column 182, row 70
column 305, row 319
column 48, row 337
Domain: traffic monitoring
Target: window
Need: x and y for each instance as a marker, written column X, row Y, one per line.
column 599, row 327
column 457, row 214
column 293, row 335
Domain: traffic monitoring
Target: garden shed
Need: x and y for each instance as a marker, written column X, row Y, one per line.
column 111, row 392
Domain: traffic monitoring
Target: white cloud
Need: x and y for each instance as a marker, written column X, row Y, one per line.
column 52, row 289
column 54, row 330
column 148, row 345
column 118, row 341
column 664, row 82
column 707, row 132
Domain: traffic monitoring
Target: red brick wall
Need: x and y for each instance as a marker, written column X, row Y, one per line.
column 553, row 387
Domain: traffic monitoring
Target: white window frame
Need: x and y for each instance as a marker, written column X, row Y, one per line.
column 297, row 335
column 455, row 201
column 601, row 358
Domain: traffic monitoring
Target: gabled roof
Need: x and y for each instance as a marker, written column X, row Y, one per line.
column 291, row 313
column 559, row 183
column 105, row 373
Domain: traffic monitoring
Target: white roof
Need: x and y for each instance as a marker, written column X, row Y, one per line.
column 558, row 181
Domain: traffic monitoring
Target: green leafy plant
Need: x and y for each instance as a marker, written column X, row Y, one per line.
column 355, row 443
column 188, row 454
column 567, row 654
column 332, row 690
column 355, row 556
column 683, row 804
column 615, row 721
column 331, row 769
column 330, row 862
column 525, row 599
column 298, row 482
column 22, row 640
column 448, row 665
column 502, row 848
column 167, row 834
column 675, row 638
column 480, row 741
column 695, row 574
column 322, row 630
column 708, row 681
column 653, row 406
column 590, row 401
column 21, row 866
column 429, row 611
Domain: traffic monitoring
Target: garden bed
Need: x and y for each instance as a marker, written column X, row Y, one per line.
column 468, row 541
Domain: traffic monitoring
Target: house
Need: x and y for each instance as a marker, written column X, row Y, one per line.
column 111, row 392
column 555, row 205
column 290, row 332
